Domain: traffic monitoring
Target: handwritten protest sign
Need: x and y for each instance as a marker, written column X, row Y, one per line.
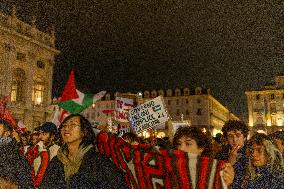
column 123, row 105
column 148, row 115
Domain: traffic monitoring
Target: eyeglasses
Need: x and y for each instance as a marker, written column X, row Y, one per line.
column 69, row 126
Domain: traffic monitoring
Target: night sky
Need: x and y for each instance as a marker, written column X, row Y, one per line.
column 132, row 45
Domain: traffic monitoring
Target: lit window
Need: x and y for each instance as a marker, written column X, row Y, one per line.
column 38, row 91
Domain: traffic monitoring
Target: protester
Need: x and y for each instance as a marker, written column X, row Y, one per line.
column 48, row 134
column 265, row 168
column 45, row 151
column 278, row 139
column 193, row 141
column 131, row 138
column 235, row 133
column 14, row 168
column 78, row 164
column 25, row 142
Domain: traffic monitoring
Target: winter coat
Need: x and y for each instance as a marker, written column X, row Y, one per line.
column 95, row 172
column 267, row 179
column 239, row 166
column 13, row 165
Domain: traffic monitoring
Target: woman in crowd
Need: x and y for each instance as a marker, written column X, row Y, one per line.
column 193, row 141
column 265, row 168
column 78, row 164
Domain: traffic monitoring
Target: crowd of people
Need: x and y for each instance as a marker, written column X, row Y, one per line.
column 67, row 157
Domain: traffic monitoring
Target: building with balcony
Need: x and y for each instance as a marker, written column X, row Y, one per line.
column 266, row 107
column 26, row 68
column 197, row 107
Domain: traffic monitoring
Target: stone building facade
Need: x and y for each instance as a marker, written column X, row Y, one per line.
column 197, row 107
column 266, row 107
column 26, row 68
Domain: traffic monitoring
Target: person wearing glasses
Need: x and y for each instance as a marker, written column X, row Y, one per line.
column 78, row 164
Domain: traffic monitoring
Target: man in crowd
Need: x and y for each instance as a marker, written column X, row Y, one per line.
column 14, row 168
column 235, row 133
column 46, row 150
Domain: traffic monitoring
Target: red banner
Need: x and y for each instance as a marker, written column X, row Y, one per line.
column 146, row 168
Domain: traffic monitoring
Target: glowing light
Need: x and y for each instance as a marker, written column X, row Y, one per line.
column 216, row 131
column 161, row 135
column 261, row 131
column 38, row 100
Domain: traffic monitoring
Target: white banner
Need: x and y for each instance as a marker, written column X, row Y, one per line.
column 123, row 105
column 148, row 115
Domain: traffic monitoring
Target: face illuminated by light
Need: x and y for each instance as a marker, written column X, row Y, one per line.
column 189, row 145
column 236, row 138
column 71, row 131
column 258, row 155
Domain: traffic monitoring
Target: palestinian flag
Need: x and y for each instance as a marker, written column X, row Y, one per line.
column 73, row 100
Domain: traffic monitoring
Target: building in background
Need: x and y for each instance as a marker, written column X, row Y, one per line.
column 197, row 107
column 26, row 68
column 266, row 107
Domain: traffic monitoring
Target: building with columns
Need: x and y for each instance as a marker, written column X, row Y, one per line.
column 266, row 107
column 26, row 68
column 196, row 107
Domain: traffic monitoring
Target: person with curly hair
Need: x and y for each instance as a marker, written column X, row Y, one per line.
column 265, row 168
column 235, row 135
column 197, row 144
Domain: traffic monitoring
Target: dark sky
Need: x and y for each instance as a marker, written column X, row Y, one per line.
column 128, row 45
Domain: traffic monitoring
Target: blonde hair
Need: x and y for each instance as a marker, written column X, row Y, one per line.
column 274, row 157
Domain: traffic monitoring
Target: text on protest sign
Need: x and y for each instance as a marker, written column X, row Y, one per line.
column 122, row 107
column 148, row 115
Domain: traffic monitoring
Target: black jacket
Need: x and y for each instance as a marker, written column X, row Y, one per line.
column 13, row 165
column 96, row 172
column 240, row 165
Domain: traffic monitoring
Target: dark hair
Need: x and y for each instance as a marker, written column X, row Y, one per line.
column 86, row 127
column 7, row 126
column 277, row 135
column 235, row 125
column 202, row 140
column 131, row 137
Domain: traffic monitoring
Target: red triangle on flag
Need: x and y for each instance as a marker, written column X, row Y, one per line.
column 6, row 115
column 69, row 91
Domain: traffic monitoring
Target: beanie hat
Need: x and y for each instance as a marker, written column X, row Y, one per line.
column 49, row 127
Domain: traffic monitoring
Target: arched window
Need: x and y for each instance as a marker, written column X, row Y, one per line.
column 169, row 92
column 154, row 94
column 38, row 91
column 198, row 90
column 18, row 85
column 186, row 92
column 161, row 92
column 146, row 94
column 177, row 92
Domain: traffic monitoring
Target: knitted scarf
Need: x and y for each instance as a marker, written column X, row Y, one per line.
column 72, row 166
